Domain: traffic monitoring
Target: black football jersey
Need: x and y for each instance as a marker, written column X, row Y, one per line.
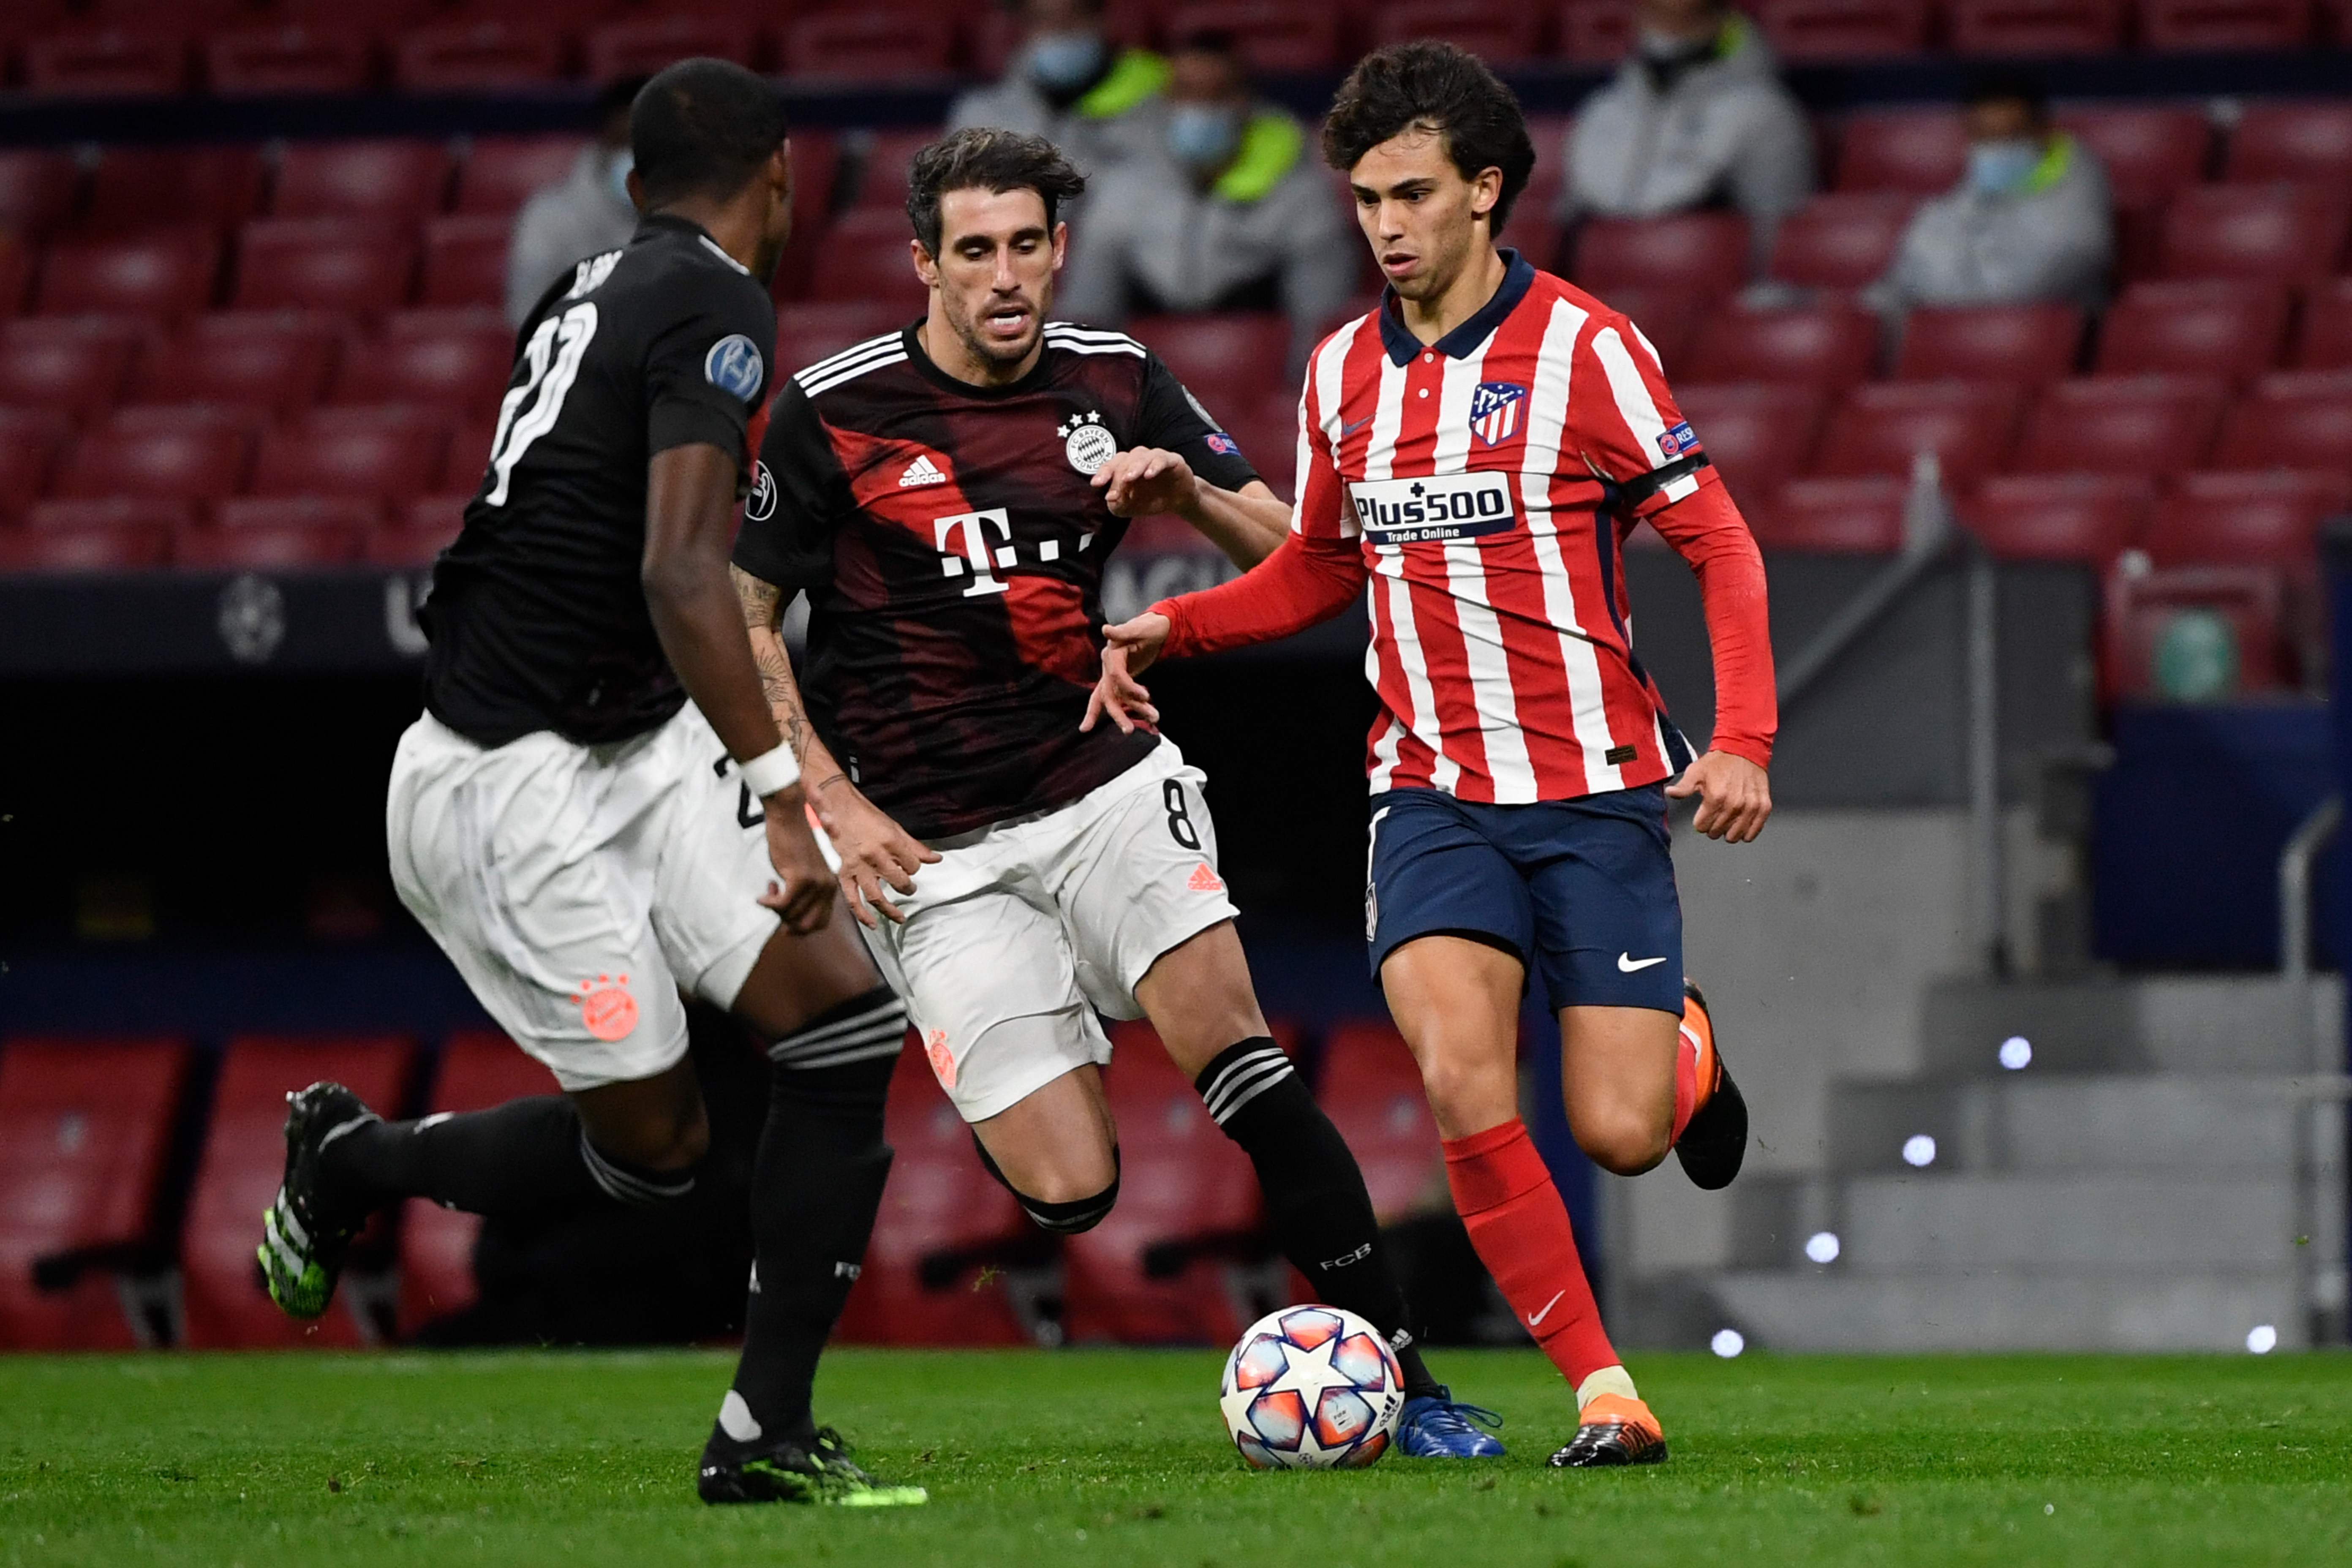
column 537, row 618
column 952, row 547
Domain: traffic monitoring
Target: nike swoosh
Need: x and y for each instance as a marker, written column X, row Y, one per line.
column 1628, row 964
column 1535, row 1320
column 1352, row 427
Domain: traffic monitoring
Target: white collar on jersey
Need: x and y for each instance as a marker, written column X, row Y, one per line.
column 1519, row 277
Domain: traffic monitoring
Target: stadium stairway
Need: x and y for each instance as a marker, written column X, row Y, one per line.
column 2133, row 1186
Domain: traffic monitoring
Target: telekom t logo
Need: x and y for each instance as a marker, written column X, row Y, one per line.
column 977, row 548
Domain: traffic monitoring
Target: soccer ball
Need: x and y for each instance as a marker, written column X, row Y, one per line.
column 1311, row 1388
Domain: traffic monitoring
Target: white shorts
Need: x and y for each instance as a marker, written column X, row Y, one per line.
column 580, row 889
column 1024, row 929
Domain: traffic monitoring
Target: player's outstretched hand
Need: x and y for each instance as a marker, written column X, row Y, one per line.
column 803, row 891
column 1734, row 796
column 1145, row 481
column 1128, row 648
column 877, row 856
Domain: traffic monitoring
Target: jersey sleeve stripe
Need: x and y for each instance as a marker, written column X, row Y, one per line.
column 1635, row 406
column 813, row 387
column 875, row 350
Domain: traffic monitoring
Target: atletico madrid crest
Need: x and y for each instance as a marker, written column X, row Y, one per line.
column 1495, row 410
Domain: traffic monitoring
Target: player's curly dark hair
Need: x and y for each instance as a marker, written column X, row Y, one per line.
column 703, row 127
column 983, row 158
column 1434, row 87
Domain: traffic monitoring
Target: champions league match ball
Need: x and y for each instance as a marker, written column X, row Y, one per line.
column 1311, row 1388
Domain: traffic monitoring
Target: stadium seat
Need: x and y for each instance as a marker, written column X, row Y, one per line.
column 135, row 189
column 85, row 1136
column 2026, row 345
column 30, row 440
column 807, row 332
column 1371, row 1088
column 2148, row 152
column 466, row 260
column 479, row 1068
column 2282, row 233
column 275, row 361
column 237, row 1177
column 1918, row 152
column 1840, row 240
column 1803, row 31
column 394, row 451
column 1825, row 346
column 78, row 536
column 2210, row 25
column 874, row 43
column 1669, row 318
column 2153, row 615
column 2036, row 28
column 1226, row 360
column 2122, row 424
column 2293, row 141
column 943, row 1221
column 865, row 257
column 193, row 452
column 1756, row 435
column 477, row 56
column 1503, row 32
column 2091, row 519
column 1273, row 37
column 404, row 178
column 2292, row 419
column 1703, row 253
column 36, row 190
column 417, row 530
column 2226, row 327
column 359, row 267
column 2324, row 341
column 258, row 61
column 279, row 533
column 455, row 361
column 1265, row 426
column 165, row 274
column 502, row 172
column 1881, row 427
column 882, row 169
column 74, row 364
column 108, row 62
column 1161, row 1269
column 2270, row 517
column 15, row 274
column 1596, row 32
column 640, row 46
column 1862, row 514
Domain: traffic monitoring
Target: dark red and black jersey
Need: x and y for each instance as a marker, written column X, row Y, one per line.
column 952, row 548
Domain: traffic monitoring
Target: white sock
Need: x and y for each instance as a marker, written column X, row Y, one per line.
column 1608, row 1380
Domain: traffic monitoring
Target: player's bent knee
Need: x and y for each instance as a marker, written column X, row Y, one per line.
column 1066, row 1207
column 1623, row 1142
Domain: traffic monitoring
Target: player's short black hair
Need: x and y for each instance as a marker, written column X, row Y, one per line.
column 983, row 159
column 1441, row 88
column 2007, row 84
column 703, row 127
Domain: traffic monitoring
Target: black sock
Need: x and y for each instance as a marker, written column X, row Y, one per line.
column 525, row 1159
column 1315, row 1195
column 816, row 1188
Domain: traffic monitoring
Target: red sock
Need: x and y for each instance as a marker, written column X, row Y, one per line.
column 1505, row 1194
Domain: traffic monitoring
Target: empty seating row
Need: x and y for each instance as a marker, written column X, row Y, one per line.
column 204, row 453
column 243, row 533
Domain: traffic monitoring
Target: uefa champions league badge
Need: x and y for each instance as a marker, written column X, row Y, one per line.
column 734, row 366
column 1673, row 443
column 1086, row 443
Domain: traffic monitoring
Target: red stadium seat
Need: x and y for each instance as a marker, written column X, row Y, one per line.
column 479, row 1068
column 502, row 172
column 292, row 60
column 2294, row 419
column 641, row 45
column 1371, row 1088
column 2325, row 341
column 2285, row 233
column 165, row 274
column 30, row 440
column 195, row 452
column 395, row 451
column 75, row 364
column 1920, row 151
column 2198, row 327
column 279, row 533
column 450, row 359
column 2087, row 518
column 1273, row 37
column 870, row 43
column 1186, row 1190
column 477, row 56
column 1826, row 346
column 882, row 172
column 2144, row 609
column 36, row 190
column 2036, row 27
column 466, row 260
column 1703, row 253
column 1807, row 30
column 1266, row 427
column 1669, row 318
column 944, row 1220
column 417, row 530
column 865, row 257
column 1841, row 241
column 1596, row 32
column 15, row 274
column 85, row 1134
column 401, row 179
column 1832, row 515
column 1756, row 435
column 2024, row 344
column 142, row 188
column 91, row 543
column 2206, row 25
column 1503, row 32
column 1228, row 360
column 2122, row 424
column 806, row 334
column 273, row 360
column 1880, row 428
column 244, row 1156
column 2270, row 517
column 108, row 62
column 2293, row 141
column 359, row 267
column 2148, row 152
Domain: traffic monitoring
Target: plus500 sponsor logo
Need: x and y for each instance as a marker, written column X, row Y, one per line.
column 1452, row 505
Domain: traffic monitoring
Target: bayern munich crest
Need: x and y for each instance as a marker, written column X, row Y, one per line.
column 1086, row 443
column 1495, row 410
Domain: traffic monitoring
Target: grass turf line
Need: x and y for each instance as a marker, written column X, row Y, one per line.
column 1116, row 1457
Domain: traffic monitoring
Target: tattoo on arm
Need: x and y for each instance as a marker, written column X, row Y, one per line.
column 763, row 615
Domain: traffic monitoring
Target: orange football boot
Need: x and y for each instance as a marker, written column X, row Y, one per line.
column 1614, row 1431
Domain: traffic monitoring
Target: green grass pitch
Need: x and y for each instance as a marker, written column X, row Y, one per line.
column 1115, row 1457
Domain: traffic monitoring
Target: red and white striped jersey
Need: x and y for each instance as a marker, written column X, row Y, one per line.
column 1489, row 479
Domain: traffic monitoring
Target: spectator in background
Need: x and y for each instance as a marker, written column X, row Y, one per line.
column 586, row 212
column 1227, row 212
column 2031, row 221
column 1697, row 118
column 1072, row 85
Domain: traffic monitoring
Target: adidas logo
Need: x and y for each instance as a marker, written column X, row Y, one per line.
column 921, row 471
column 1204, row 881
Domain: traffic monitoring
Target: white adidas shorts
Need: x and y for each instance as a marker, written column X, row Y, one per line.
column 1024, row 929
column 580, row 889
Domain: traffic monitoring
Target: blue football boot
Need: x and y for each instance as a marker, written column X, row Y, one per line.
column 1433, row 1427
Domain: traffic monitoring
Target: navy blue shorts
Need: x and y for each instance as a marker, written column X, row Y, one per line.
column 1581, row 890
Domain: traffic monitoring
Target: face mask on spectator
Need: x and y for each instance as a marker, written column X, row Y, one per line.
column 1060, row 62
column 616, row 176
column 1203, row 136
column 2001, row 168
